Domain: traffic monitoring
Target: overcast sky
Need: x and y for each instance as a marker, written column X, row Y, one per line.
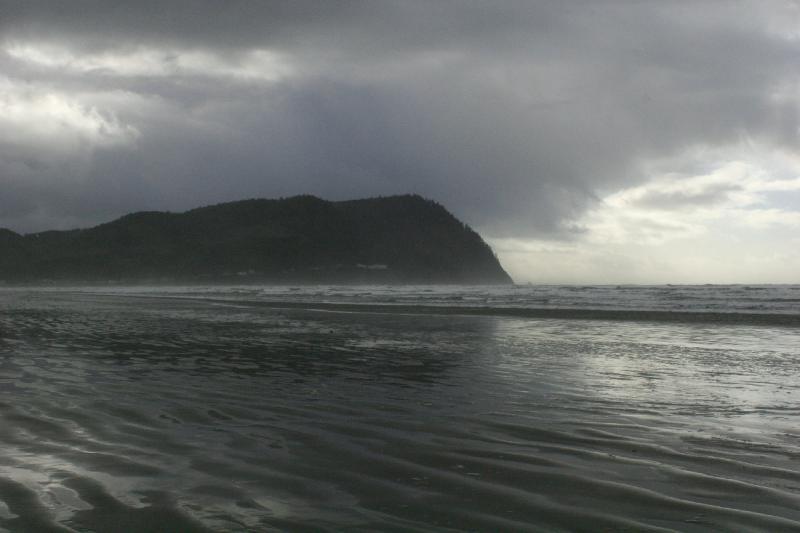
column 588, row 141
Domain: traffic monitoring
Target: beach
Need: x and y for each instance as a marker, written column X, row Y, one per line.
column 307, row 409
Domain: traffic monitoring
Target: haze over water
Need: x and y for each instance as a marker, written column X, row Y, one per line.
column 290, row 408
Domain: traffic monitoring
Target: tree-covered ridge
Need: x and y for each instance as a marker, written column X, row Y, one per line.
column 303, row 238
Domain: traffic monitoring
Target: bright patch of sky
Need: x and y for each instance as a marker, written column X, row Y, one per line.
column 737, row 223
column 256, row 64
column 34, row 117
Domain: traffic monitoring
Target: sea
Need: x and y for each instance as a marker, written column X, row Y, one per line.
column 400, row 408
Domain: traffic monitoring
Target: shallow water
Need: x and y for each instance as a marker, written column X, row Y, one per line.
column 122, row 413
column 719, row 299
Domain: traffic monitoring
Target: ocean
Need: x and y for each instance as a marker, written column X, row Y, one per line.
column 386, row 408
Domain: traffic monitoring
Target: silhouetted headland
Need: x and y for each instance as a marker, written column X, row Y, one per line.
column 397, row 239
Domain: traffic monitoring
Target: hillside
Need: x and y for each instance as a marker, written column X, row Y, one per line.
column 402, row 239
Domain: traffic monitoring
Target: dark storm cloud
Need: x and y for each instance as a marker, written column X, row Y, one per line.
column 516, row 115
column 346, row 26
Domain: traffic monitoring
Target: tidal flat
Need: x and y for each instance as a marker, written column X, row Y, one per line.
column 145, row 412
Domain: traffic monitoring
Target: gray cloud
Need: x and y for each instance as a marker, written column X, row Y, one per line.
column 516, row 115
column 710, row 195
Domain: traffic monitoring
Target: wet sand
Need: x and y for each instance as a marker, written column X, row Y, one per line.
column 124, row 413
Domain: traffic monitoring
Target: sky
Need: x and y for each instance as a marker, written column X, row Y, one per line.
column 587, row 141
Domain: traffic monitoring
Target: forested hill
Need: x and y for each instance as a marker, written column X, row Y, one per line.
column 404, row 239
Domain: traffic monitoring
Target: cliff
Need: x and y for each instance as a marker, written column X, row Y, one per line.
column 402, row 239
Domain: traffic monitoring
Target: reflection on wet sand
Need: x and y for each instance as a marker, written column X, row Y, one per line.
column 119, row 413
